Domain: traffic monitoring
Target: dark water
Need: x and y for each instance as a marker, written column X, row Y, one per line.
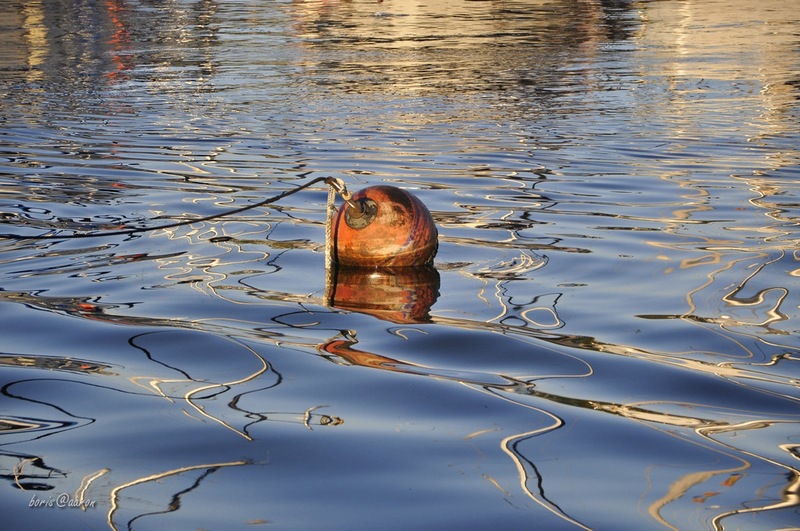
column 609, row 339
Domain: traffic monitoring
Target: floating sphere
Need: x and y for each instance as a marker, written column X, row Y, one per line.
column 392, row 228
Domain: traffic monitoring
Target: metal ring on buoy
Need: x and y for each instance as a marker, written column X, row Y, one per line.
column 389, row 228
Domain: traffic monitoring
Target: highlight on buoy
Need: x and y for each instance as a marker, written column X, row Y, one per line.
column 384, row 226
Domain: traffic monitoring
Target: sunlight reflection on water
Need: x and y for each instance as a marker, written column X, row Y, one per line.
column 608, row 337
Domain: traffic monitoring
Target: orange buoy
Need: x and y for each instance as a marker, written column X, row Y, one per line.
column 391, row 228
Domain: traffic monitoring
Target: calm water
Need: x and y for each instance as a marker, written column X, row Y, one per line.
column 609, row 339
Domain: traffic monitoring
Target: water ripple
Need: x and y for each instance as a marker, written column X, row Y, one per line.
column 607, row 335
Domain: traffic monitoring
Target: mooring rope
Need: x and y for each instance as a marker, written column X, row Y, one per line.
column 330, row 270
column 329, row 208
column 336, row 185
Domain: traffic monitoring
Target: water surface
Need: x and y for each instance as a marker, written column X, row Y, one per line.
column 608, row 339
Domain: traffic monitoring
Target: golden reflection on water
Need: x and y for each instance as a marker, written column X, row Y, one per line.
column 730, row 299
column 690, row 38
column 342, row 349
column 743, row 311
column 790, row 493
column 36, row 38
column 156, row 384
column 206, row 468
column 397, row 310
column 429, row 56
column 687, row 41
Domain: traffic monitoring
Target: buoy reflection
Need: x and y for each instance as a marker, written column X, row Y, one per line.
column 400, row 295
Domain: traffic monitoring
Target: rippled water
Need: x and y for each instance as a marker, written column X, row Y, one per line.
column 609, row 338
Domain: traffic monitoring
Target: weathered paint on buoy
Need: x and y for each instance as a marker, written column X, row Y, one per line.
column 392, row 229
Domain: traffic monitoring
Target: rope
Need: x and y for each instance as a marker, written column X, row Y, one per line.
column 335, row 184
column 330, row 269
column 329, row 209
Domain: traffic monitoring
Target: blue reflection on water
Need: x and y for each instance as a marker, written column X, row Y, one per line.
column 608, row 336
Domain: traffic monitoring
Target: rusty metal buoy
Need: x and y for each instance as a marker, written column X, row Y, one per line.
column 384, row 226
